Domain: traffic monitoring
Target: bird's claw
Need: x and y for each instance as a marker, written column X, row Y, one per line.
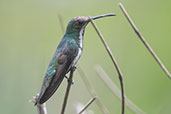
column 68, row 79
column 73, row 68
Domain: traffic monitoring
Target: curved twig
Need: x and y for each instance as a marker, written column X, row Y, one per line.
column 114, row 62
column 132, row 106
column 144, row 41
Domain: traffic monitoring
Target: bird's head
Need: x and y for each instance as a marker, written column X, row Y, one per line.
column 76, row 24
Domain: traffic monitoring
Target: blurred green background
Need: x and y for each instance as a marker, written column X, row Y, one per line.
column 30, row 32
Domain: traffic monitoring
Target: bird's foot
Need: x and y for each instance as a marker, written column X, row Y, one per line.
column 73, row 68
column 68, row 79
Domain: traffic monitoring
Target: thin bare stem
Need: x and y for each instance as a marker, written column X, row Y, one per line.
column 67, row 90
column 144, row 42
column 114, row 62
column 41, row 108
column 92, row 91
column 132, row 106
column 87, row 105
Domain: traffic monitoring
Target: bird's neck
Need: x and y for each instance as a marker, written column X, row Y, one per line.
column 77, row 36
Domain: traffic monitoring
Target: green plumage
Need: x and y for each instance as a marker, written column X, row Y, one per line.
column 66, row 56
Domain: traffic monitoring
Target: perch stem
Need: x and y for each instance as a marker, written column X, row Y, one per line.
column 67, row 90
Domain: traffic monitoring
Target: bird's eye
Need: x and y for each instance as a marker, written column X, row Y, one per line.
column 80, row 22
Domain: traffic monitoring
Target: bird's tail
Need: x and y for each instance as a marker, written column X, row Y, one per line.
column 37, row 98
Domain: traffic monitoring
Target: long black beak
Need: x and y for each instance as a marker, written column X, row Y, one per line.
column 101, row 16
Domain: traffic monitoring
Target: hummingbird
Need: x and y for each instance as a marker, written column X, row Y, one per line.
column 66, row 56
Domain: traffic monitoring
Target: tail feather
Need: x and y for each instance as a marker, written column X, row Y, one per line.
column 50, row 90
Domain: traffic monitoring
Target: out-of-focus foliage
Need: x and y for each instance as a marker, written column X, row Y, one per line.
column 30, row 31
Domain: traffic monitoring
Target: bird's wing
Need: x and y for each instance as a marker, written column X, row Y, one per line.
column 56, row 74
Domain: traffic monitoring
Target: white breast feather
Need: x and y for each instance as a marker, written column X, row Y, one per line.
column 80, row 46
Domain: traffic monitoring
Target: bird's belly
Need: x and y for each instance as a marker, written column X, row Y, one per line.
column 77, row 57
